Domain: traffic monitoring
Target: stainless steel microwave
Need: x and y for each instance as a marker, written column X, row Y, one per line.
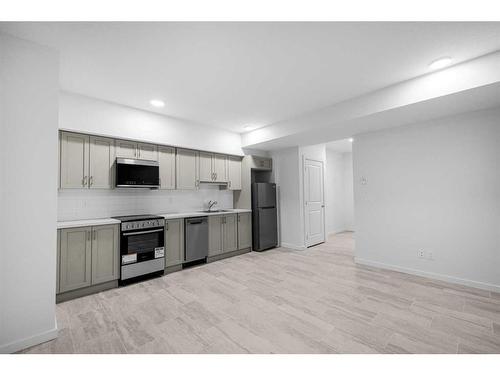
column 135, row 173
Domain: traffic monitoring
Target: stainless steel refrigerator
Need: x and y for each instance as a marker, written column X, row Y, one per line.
column 264, row 216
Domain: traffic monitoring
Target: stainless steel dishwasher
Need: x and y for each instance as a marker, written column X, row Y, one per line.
column 196, row 242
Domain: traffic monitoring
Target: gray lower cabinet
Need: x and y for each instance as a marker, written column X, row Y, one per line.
column 58, row 260
column 105, row 256
column 174, row 242
column 223, row 233
column 214, row 235
column 229, row 233
column 87, row 256
column 244, row 230
column 75, row 263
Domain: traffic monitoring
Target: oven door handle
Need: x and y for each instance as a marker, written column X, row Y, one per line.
column 143, row 232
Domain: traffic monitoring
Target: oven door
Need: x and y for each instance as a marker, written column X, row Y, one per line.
column 140, row 246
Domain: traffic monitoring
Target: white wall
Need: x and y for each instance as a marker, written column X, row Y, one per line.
column 286, row 170
column 28, row 157
column 288, row 175
column 433, row 186
column 339, row 205
column 348, row 191
column 84, row 114
column 92, row 204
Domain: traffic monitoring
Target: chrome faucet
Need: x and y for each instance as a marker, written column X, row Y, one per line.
column 211, row 204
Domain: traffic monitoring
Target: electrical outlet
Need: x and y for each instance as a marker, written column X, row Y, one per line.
column 421, row 254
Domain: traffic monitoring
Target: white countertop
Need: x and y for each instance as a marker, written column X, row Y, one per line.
column 176, row 215
column 180, row 215
column 86, row 223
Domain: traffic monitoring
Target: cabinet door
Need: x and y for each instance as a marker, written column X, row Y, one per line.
column 74, row 161
column 174, row 242
column 75, row 262
column 105, row 253
column 230, row 233
column 244, row 230
column 102, row 157
column 219, row 168
column 186, row 169
column 58, row 260
column 205, row 164
column 234, row 173
column 166, row 159
column 126, row 149
column 214, row 235
column 147, row 151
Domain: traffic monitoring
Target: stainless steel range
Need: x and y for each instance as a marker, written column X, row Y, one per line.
column 142, row 246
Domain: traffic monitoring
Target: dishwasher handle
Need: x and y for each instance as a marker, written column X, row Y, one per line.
column 196, row 221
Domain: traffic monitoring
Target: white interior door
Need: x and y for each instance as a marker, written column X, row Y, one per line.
column 314, row 205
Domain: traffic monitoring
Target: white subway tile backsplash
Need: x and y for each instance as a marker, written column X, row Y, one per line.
column 91, row 204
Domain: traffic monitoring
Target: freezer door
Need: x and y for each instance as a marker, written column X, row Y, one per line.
column 267, row 224
column 265, row 194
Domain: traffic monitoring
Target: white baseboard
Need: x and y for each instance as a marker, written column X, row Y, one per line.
column 431, row 275
column 29, row 341
column 292, row 246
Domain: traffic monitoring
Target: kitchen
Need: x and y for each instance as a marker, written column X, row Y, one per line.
column 96, row 254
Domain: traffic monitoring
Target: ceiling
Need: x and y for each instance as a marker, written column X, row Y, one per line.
column 233, row 74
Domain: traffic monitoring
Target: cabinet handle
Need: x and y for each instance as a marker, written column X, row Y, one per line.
column 166, row 226
column 91, row 180
column 216, row 176
column 229, row 184
column 95, row 234
column 85, row 181
column 88, row 235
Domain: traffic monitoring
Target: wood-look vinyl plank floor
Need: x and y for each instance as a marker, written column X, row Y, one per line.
column 282, row 301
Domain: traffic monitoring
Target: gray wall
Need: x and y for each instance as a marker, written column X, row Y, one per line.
column 433, row 186
column 28, row 201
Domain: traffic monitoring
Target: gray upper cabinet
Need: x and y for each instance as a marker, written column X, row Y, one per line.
column 244, row 230
column 205, row 163
column 89, row 162
column 102, row 157
column 234, row 173
column 147, row 151
column 136, row 150
column 213, row 167
column 214, row 235
column 229, row 233
column 74, row 162
column 105, row 253
column 174, row 242
column 261, row 162
column 75, row 263
column 186, row 169
column 220, row 168
column 166, row 159
column 126, row 149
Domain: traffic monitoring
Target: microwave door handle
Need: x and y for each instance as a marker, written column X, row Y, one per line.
column 143, row 232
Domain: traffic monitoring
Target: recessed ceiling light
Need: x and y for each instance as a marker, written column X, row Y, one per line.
column 157, row 103
column 440, row 63
column 351, row 140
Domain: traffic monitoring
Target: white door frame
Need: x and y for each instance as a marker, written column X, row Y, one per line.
column 304, row 159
